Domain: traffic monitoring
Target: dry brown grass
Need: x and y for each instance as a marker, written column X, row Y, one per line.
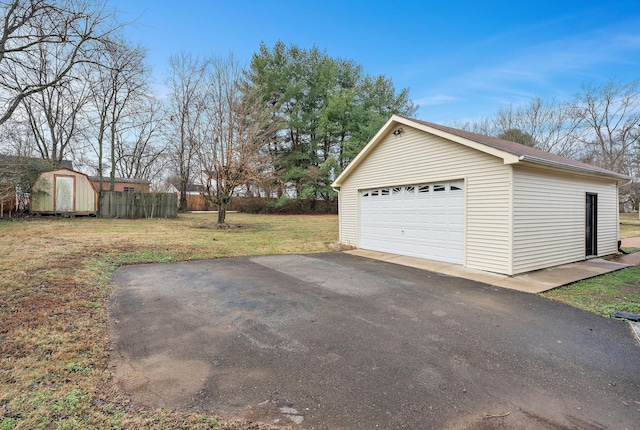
column 54, row 282
column 629, row 225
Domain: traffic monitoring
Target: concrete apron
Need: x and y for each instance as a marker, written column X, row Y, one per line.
column 532, row 282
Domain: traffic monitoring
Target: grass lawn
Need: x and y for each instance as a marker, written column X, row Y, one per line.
column 54, row 283
column 629, row 225
column 617, row 291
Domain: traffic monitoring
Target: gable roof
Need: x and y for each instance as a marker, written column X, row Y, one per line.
column 66, row 170
column 510, row 152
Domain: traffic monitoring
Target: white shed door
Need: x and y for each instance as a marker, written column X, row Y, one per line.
column 64, row 194
column 422, row 220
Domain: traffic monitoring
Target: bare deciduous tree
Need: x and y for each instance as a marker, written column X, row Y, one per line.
column 55, row 116
column 185, row 107
column 50, row 35
column 9, row 174
column 610, row 116
column 600, row 126
column 15, row 138
column 119, row 80
column 138, row 152
column 237, row 127
column 547, row 125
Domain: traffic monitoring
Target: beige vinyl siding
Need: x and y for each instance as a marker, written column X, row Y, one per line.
column 549, row 217
column 416, row 156
column 42, row 194
column 85, row 195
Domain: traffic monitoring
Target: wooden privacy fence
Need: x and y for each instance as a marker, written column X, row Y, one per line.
column 116, row 204
column 262, row 205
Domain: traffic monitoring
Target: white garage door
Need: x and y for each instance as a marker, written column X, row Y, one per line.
column 422, row 220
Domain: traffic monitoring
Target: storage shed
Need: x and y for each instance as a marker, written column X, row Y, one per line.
column 63, row 191
column 424, row 190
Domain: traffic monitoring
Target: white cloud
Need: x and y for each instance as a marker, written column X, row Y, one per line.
column 496, row 75
column 434, row 100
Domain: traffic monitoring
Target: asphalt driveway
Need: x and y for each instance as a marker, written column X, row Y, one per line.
column 338, row 341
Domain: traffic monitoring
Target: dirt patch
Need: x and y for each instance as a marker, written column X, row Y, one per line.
column 45, row 302
column 517, row 419
column 215, row 226
column 160, row 379
column 339, row 247
column 630, row 288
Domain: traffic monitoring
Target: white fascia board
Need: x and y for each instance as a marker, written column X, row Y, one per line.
column 506, row 157
column 548, row 163
column 365, row 151
column 396, row 120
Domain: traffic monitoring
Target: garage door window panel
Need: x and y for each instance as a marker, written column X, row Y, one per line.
column 417, row 221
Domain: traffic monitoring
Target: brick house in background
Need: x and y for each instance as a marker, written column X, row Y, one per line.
column 126, row 185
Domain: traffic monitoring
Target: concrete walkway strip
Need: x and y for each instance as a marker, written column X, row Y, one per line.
column 532, row 282
column 635, row 327
column 631, row 242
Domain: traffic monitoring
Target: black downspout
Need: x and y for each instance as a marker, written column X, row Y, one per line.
column 620, row 249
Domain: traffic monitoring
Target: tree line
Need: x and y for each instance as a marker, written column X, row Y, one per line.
column 600, row 126
column 283, row 126
column 72, row 87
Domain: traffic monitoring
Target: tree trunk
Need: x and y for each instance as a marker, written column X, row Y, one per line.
column 183, row 196
column 222, row 212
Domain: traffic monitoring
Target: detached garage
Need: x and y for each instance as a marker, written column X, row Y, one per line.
column 434, row 192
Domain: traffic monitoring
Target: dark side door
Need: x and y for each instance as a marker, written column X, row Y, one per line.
column 591, row 224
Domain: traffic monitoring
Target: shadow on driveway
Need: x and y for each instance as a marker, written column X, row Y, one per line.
column 335, row 341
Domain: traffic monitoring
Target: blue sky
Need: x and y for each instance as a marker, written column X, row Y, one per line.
column 462, row 60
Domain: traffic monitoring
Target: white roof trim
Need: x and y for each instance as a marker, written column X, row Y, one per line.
column 398, row 120
column 550, row 163
column 507, row 157
column 365, row 151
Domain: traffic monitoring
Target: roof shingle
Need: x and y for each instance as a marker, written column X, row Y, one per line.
column 517, row 148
